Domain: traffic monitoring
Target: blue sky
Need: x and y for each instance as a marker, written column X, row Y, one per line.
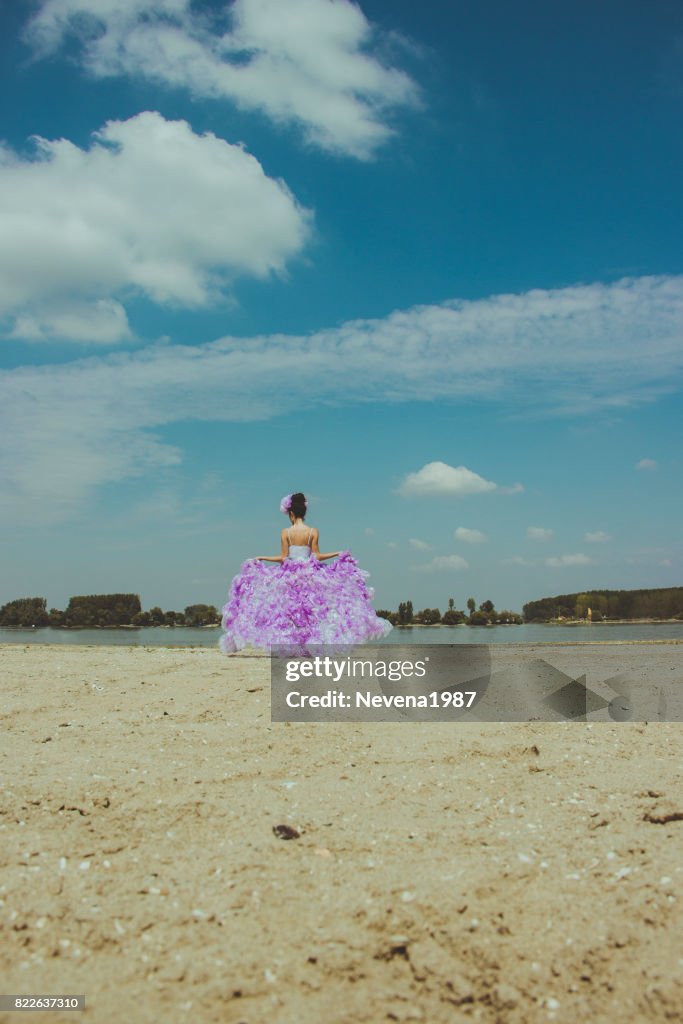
column 421, row 261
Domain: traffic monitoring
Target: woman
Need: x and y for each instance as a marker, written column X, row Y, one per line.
column 304, row 602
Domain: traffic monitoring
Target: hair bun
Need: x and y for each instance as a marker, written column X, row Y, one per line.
column 298, row 505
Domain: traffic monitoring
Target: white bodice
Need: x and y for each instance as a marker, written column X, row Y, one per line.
column 299, row 552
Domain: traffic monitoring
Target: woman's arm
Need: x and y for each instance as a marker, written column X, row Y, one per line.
column 284, row 547
column 316, row 550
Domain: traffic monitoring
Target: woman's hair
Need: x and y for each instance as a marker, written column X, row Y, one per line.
column 298, row 505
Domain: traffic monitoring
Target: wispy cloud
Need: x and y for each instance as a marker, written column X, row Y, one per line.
column 69, row 428
column 468, row 536
column 566, row 561
column 419, row 545
column 517, row 560
column 646, row 464
column 79, row 228
column 539, row 533
column 312, row 63
column 598, row 537
column 443, row 563
column 651, row 556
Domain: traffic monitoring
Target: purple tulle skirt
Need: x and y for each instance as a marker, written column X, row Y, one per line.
column 300, row 602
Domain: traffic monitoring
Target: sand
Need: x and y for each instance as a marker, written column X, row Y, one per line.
column 443, row 872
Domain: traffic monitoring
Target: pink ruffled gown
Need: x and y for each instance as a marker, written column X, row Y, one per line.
column 300, row 602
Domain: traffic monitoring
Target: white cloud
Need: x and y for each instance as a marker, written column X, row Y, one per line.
column 646, row 464
column 437, row 479
column 516, row 560
column 563, row 561
column 69, row 428
column 443, row 563
column 539, row 533
column 103, row 321
column 80, row 226
column 312, row 63
column 369, row 532
column 470, row 536
column 419, row 545
column 598, row 537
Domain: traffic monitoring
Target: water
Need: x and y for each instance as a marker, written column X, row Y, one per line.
column 530, row 634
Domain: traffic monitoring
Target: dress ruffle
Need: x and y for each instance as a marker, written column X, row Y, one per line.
column 301, row 603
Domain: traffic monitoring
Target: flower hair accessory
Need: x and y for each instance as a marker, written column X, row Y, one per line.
column 286, row 503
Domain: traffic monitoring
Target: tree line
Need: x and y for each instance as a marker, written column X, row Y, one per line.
column 485, row 615
column 102, row 610
column 659, row 603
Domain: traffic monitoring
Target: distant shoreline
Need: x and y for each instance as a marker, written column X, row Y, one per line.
column 76, row 629
column 399, row 625
column 549, row 622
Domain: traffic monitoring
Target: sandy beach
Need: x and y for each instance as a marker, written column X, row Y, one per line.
column 508, row 873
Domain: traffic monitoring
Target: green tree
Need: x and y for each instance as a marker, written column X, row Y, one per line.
column 479, row 619
column 201, row 615
column 25, row 611
column 428, row 616
column 56, row 619
column 487, row 607
column 102, row 610
column 405, row 613
column 471, row 605
column 156, row 616
column 451, row 604
column 507, row 618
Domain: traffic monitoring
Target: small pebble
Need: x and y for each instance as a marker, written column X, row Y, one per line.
column 285, row 832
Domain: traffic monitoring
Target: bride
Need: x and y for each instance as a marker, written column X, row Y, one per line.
column 305, row 600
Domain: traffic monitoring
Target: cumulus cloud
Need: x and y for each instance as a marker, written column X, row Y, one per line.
column 316, row 64
column 470, row 536
column 539, row 533
column 438, row 479
column 67, row 429
column 102, row 321
column 81, row 227
column 564, row 561
column 646, row 464
column 419, row 545
column 443, row 563
column 598, row 537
